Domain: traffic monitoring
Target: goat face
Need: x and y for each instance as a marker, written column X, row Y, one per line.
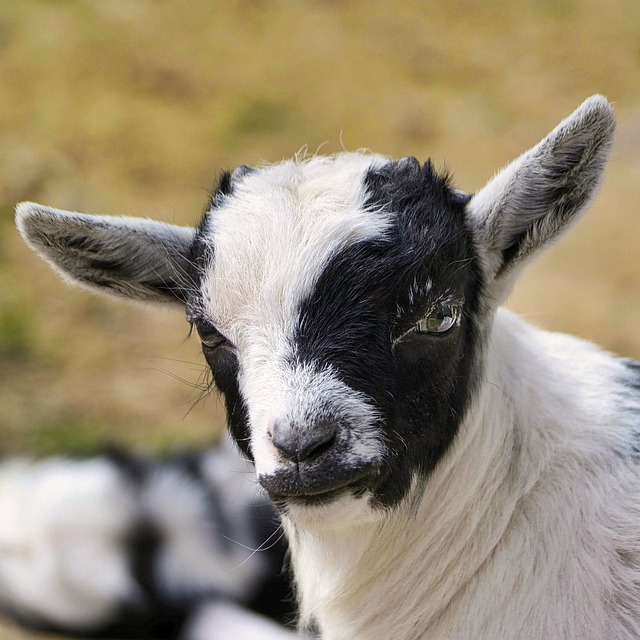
column 341, row 301
column 336, row 301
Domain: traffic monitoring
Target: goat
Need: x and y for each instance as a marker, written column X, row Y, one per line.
column 442, row 469
column 122, row 545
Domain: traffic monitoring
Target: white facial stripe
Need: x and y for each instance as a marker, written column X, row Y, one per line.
column 302, row 394
column 274, row 240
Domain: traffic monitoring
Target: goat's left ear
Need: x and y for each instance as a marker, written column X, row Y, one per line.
column 533, row 200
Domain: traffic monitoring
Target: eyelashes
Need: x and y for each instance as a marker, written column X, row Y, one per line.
column 210, row 337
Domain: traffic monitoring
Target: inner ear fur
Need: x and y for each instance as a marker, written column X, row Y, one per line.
column 534, row 199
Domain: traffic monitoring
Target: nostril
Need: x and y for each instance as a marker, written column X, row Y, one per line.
column 318, row 445
column 297, row 445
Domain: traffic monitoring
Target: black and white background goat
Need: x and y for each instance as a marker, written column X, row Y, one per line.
column 121, row 545
column 442, row 469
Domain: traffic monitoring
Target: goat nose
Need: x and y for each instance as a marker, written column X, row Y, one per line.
column 297, row 445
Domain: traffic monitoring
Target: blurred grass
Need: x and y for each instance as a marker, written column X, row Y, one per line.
column 133, row 107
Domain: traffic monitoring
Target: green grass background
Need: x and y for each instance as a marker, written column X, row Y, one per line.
column 134, row 106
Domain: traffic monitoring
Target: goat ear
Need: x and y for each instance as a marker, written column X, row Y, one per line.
column 128, row 257
column 533, row 200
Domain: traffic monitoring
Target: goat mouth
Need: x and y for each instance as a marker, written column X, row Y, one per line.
column 290, row 486
column 316, row 499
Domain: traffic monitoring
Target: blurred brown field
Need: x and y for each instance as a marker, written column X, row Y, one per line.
column 134, row 106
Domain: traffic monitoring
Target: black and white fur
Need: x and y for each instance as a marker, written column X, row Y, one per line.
column 442, row 468
column 125, row 546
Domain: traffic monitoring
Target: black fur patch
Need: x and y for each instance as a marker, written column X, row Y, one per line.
column 133, row 467
column 201, row 255
column 366, row 298
column 633, row 380
column 224, row 366
column 222, row 188
column 190, row 462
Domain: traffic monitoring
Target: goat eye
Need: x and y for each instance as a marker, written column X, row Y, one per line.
column 210, row 337
column 439, row 320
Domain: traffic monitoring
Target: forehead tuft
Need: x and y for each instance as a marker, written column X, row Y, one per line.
column 276, row 228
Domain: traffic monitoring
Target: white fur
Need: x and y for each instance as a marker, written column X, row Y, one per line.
column 527, row 529
column 220, row 620
column 62, row 525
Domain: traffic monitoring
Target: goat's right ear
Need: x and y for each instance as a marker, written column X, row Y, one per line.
column 129, row 257
column 534, row 199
